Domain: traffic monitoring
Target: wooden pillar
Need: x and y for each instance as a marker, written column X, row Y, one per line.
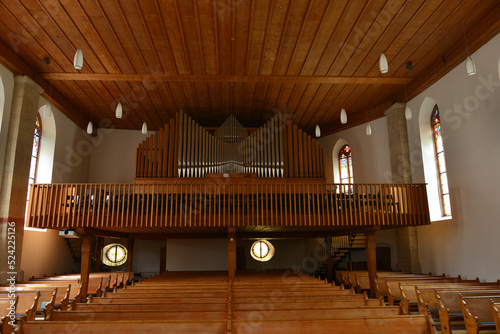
column 98, row 254
column 130, row 254
column 85, row 264
column 329, row 262
column 371, row 259
column 231, row 253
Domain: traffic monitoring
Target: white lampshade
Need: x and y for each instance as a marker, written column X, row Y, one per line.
column 318, row 131
column 368, row 130
column 119, row 111
column 90, row 128
column 384, row 66
column 78, row 61
column 47, row 113
column 144, row 128
column 343, row 116
column 408, row 113
column 470, row 67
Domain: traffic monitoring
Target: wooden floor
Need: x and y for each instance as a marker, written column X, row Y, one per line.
column 254, row 302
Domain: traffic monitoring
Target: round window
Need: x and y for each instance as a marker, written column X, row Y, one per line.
column 262, row 250
column 114, row 255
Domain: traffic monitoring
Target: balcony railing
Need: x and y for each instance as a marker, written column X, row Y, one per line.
column 177, row 205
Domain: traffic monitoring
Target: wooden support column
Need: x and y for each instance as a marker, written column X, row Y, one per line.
column 98, row 254
column 231, row 253
column 85, row 263
column 371, row 259
column 329, row 262
column 130, row 253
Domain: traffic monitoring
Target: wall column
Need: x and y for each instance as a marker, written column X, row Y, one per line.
column 231, row 253
column 98, row 254
column 85, row 263
column 14, row 181
column 407, row 243
column 329, row 262
column 371, row 260
column 130, row 254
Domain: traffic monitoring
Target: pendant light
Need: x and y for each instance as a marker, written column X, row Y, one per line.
column 90, row 128
column 368, row 130
column 343, row 116
column 408, row 113
column 47, row 113
column 470, row 66
column 318, row 131
column 144, row 128
column 119, row 111
column 383, row 64
column 78, row 61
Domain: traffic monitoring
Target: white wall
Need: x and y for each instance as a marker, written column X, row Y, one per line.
column 7, row 79
column 196, row 254
column 113, row 156
column 470, row 117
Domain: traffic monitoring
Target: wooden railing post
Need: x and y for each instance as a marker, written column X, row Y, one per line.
column 85, row 263
column 371, row 259
column 231, row 253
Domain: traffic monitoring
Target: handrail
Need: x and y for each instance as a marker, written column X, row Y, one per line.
column 191, row 204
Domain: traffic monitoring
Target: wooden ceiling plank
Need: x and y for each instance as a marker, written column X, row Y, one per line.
column 284, row 97
column 334, row 111
column 171, row 21
column 259, row 24
column 295, row 97
column 20, row 36
column 302, row 117
column 168, row 99
column 364, row 39
column 239, row 98
column 446, row 34
column 133, row 101
column 208, row 41
column 223, row 20
column 129, row 119
column 337, row 41
column 260, row 98
column 178, row 94
column 270, row 102
column 305, row 100
column 153, row 21
column 191, row 36
column 143, row 93
column 331, row 105
column 312, row 116
column 274, row 36
column 110, row 102
column 295, row 22
column 214, row 91
column 241, row 35
column 402, row 25
column 158, row 107
column 328, row 25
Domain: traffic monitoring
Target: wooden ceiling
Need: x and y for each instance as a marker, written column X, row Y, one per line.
column 308, row 58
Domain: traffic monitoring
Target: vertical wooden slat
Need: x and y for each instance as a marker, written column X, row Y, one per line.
column 300, row 153
column 306, row 141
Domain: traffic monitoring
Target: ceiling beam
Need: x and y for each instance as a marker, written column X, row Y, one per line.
column 227, row 78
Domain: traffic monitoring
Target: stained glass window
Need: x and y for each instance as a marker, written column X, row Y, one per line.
column 345, row 165
column 440, row 162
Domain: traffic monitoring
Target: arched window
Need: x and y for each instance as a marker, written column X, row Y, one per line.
column 440, row 162
column 345, row 165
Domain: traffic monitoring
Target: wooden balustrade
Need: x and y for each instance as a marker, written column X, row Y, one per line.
column 199, row 203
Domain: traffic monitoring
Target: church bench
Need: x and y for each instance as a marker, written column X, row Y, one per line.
column 495, row 309
column 26, row 305
column 365, row 325
column 361, row 280
column 46, row 300
column 136, row 315
column 477, row 312
column 7, row 308
column 74, row 292
column 301, row 304
column 450, row 307
column 160, row 295
column 120, row 327
column 271, row 312
column 427, row 298
column 157, row 307
column 410, row 299
column 111, row 300
column 394, row 291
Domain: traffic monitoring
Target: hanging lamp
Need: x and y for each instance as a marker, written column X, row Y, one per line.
column 119, row 111
column 408, row 113
column 368, row 130
column 90, row 128
column 78, row 61
column 47, row 113
column 383, row 64
column 318, row 131
column 144, row 128
column 343, row 116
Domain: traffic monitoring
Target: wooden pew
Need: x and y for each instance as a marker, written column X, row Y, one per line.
column 495, row 309
column 73, row 289
column 7, row 307
column 450, row 306
column 477, row 312
column 394, row 290
column 365, row 325
column 129, row 327
column 46, row 297
column 26, row 305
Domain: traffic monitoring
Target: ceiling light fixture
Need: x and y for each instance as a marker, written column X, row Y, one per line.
column 318, row 131
column 470, row 66
column 144, row 128
column 383, row 64
column 343, row 116
column 47, row 113
column 408, row 113
column 78, row 60
column 119, row 111
column 368, row 130
column 90, row 128
column 409, row 65
column 46, row 61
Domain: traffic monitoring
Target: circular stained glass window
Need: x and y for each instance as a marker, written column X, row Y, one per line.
column 114, row 255
column 262, row 250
